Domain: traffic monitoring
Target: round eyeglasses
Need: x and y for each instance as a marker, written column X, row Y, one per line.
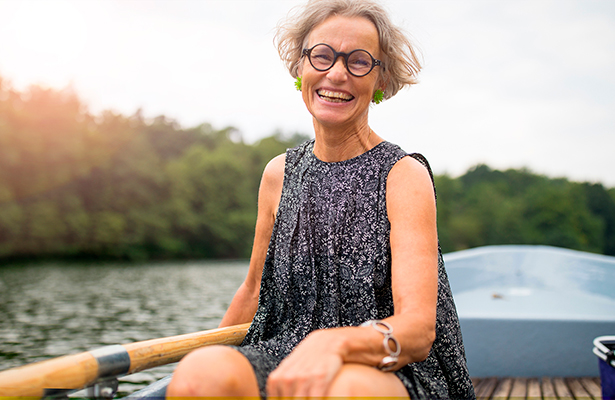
column 358, row 62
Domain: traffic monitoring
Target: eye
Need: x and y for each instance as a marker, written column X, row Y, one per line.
column 322, row 57
column 360, row 61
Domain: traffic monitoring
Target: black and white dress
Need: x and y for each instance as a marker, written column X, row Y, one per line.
column 329, row 265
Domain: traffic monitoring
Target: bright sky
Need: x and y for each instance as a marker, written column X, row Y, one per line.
column 507, row 83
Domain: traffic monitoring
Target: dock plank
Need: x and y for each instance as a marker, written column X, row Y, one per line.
column 485, row 388
column 545, row 388
column 533, row 389
column 561, row 389
column 519, row 389
column 502, row 390
column 577, row 389
column 548, row 391
column 593, row 387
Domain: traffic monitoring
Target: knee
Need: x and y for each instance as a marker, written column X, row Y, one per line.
column 355, row 380
column 213, row 371
column 349, row 382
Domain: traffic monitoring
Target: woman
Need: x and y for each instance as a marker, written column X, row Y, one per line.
column 346, row 288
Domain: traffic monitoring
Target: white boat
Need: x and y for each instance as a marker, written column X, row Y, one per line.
column 532, row 311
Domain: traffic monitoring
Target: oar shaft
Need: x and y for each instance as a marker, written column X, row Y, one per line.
column 75, row 371
column 156, row 352
column 84, row 369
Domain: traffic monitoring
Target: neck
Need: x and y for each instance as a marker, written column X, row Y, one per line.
column 341, row 144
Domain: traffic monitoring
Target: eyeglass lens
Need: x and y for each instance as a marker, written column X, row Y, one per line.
column 358, row 62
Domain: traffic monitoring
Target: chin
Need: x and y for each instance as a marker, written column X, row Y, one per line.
column 336, row 115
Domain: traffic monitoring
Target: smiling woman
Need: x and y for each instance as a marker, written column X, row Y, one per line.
column 335, row 96
column 346, row 291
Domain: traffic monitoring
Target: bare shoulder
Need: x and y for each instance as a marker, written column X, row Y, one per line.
column 273, row 175
column 409, row 175
column 270, row 191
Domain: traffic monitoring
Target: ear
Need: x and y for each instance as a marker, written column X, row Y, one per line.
column 383, row 82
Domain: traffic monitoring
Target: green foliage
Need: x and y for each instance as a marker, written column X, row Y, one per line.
column 114, row 186
column 73, row 184
column 486, row 207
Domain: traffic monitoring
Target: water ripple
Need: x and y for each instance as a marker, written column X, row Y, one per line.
column 55, row 309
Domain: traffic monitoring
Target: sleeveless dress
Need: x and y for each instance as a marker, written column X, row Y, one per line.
column 328, row 265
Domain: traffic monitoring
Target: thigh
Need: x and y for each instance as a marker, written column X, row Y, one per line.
column 214, row 371
column 358, row 380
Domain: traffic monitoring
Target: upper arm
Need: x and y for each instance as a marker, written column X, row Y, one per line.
column 411, row 209
column 269, row 194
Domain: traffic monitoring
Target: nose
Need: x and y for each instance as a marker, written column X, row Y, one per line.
column 338, row 71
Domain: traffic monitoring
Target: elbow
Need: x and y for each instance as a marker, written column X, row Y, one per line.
column 250, row 291
column 251, row 286
column 430, row 338
column 424, row 344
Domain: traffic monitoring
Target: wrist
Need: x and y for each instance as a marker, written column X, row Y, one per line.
column 338, row 340
column 390, row 344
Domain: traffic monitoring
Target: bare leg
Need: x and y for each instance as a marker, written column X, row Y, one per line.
column 356, row 380
column 214, row 371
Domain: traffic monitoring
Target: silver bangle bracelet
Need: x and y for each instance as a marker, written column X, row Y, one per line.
column 389, row 362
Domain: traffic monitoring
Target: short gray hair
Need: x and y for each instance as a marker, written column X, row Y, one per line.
column 399, row 54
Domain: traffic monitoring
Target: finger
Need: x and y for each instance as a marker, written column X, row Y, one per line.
column 318, row 390
column 291, row 385
column 278, row 386
column 303, row 388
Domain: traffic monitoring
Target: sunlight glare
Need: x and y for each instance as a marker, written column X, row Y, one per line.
column 48, row 39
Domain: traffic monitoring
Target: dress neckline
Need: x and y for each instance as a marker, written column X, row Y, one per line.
column 343, row 162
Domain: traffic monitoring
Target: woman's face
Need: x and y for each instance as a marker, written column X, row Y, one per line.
column 335, row 98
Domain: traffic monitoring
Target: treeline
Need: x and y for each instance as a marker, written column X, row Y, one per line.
column 488, row 207
column 74, row 184
column 77, row 185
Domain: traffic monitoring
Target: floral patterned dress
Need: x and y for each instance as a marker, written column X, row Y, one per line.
column 329, row 265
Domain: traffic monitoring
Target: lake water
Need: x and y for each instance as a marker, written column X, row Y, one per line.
column 54, row 309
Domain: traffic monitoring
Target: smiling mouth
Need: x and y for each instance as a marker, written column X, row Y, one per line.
column 334, row 97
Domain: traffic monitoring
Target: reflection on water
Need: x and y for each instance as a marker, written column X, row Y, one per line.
column 54, row 309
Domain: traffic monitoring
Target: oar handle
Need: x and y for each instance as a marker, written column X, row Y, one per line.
column 84, row 369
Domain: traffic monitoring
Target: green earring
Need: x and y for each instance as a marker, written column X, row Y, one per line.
column 378, row 96
column 298, row 83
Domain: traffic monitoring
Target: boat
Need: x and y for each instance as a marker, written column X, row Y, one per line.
column 532, row 311
column 529, row 311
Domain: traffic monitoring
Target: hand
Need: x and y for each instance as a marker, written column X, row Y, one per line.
column 309, row 370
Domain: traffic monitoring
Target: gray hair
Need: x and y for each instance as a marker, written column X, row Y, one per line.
column 399, row 55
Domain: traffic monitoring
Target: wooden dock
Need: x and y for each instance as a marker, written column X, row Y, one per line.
column 537, row 388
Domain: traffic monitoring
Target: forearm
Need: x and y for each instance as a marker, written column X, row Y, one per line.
column 364, row 344
column 415, row 335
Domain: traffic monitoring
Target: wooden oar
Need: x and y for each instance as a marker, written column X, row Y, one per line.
column 84, row 369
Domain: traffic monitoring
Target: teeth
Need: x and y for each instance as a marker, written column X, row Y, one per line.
column 335, row 97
